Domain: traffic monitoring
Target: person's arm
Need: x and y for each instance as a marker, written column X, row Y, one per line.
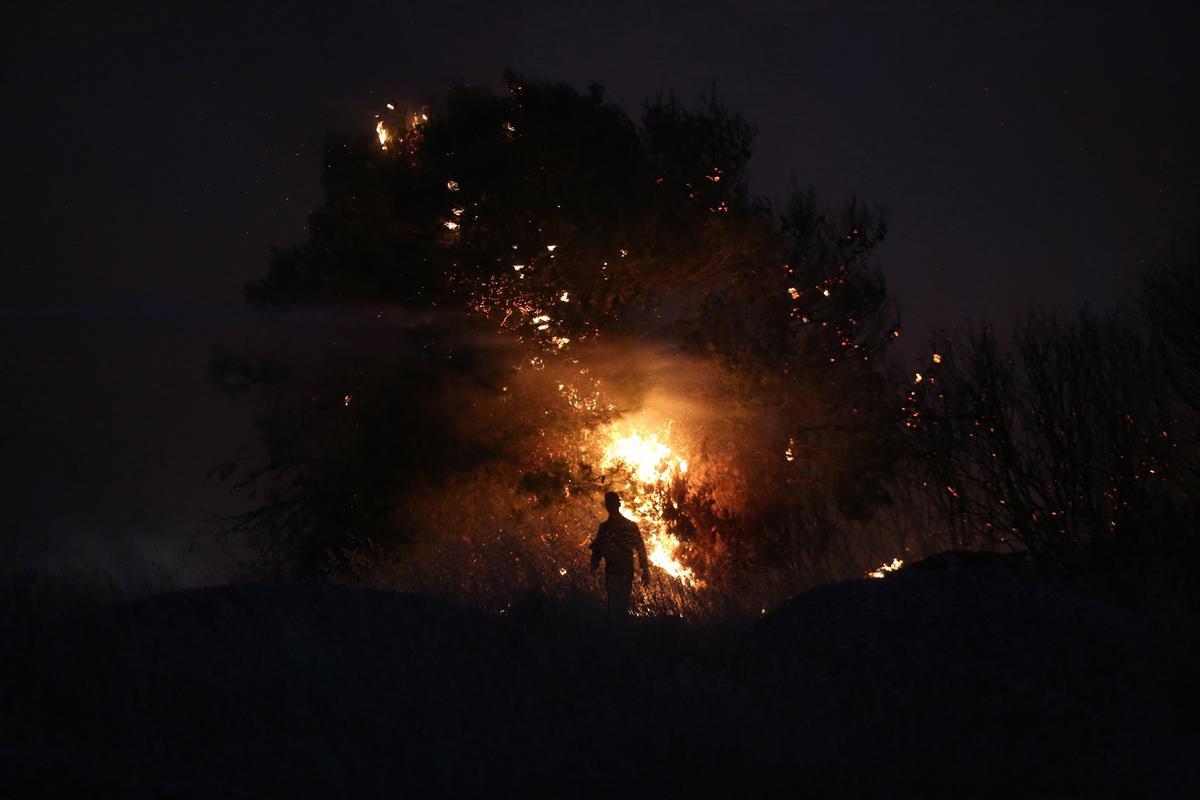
column 642, row 559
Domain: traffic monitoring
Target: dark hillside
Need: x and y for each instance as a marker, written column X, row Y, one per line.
column 967, row 682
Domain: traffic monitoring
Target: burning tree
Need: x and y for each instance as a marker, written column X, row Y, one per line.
column 605, row 305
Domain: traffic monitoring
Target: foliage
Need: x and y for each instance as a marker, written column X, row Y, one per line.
column 549, row 215
column 1074, row 440
column 1046, row 444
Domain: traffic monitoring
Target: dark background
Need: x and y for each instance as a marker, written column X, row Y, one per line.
column 1027, row 153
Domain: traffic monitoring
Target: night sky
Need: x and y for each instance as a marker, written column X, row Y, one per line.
column 1026, row 154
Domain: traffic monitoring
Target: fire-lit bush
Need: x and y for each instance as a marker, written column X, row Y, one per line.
column 604, row 306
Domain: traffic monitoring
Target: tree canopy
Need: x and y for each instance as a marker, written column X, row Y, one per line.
column 551, row 215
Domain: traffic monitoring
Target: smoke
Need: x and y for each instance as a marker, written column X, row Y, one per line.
column 451, row 456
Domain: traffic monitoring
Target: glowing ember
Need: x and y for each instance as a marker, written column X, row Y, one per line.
column 884, row 569
column 401, row 133
column 651, row 466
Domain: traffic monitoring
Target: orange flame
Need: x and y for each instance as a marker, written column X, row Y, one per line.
column 651, row 466
column 882, row 570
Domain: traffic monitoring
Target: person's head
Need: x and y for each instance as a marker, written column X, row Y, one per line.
column 612, row 501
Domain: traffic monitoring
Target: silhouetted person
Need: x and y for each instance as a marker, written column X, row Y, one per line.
column 616, row 541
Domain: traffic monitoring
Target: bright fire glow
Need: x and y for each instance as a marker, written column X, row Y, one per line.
column 383, row 133
column 884, row 569
column 651, row 466
column 401, row 132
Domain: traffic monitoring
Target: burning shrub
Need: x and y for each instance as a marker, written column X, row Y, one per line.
column 633, row 321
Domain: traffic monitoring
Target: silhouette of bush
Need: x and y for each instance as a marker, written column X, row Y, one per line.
column 1072, row 440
